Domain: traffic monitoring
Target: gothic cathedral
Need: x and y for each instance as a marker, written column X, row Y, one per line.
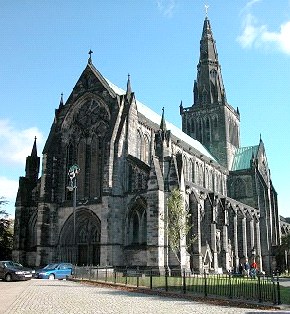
column 108, row 168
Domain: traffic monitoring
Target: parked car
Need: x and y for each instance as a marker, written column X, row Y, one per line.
column 55, row 271
column 10, row 271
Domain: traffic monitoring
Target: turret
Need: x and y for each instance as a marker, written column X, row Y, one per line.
column 32, row 165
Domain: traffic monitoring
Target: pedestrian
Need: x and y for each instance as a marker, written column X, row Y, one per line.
column 241, row 268
column 247, row 268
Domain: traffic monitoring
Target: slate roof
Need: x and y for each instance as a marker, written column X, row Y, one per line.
column 156, row 118
column 243, row 156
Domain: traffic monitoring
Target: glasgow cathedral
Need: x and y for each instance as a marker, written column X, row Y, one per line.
column 124, row 160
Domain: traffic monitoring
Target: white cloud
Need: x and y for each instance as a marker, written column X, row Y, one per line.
column 16, row 145
column 166, row 7
column 8, row 190
column 281, row 39
column 251, row 3
column 257, row 35
column 251, row 32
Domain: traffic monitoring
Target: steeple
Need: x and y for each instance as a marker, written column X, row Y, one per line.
column 211, row 120
column 208, row 88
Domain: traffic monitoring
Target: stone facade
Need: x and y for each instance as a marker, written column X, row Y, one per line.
column 112, row 212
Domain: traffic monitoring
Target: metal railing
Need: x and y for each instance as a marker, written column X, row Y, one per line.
column 258, row 288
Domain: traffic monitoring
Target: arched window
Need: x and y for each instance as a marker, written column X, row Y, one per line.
column 193, row 127
column 139, row 145
column 146, row 149
column 185, row 168
column 188, row 127
column 213, row 74
column 207, row 129
column 206, row 183
column 137, row 223
column 136, row 229
column 192, row 171
column 204, row 96
column 143, row 239
column 215, row 122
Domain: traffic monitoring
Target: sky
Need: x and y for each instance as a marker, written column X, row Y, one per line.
column 44, row 49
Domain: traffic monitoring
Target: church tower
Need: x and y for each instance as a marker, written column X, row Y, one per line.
column 211, row 120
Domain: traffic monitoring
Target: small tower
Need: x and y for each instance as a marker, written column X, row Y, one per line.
column 211, row 120
column 32, row 165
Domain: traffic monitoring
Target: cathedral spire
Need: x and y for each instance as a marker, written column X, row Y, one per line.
column 211, row 120
column 208, row 88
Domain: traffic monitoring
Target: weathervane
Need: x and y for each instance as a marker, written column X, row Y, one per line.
column 206, row 6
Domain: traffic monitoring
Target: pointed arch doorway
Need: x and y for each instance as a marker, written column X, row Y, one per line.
column 86, row 249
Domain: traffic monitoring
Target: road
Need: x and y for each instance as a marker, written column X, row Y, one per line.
column 55, row 296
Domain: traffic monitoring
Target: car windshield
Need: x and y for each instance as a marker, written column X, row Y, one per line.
column 50, row 266
column 12, row 264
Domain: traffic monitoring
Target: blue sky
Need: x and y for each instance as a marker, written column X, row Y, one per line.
column 44, row 49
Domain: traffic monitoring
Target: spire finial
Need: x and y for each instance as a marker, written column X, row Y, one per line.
column 61, row 100
column 163, row 124
column 206, row 6
column 90, row 58
column 129, row 90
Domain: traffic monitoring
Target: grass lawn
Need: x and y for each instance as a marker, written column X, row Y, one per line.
column 231, row 287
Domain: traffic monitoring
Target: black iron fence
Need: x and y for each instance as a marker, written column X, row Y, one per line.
column 258, row 288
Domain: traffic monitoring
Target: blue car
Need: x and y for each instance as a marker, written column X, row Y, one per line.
column 55, row 271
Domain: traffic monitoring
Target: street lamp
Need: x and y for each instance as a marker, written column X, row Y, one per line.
column 72, row 173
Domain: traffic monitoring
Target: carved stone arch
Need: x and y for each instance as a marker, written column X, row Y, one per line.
column 84, row 249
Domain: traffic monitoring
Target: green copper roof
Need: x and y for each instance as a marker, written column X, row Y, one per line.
column 243, row 156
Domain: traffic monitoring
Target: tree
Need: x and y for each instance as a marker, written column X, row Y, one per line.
column 6, row 232
column 283, row 262
column 178, row 224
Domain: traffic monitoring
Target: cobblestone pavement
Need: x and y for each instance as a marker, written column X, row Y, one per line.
column 55, row 296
